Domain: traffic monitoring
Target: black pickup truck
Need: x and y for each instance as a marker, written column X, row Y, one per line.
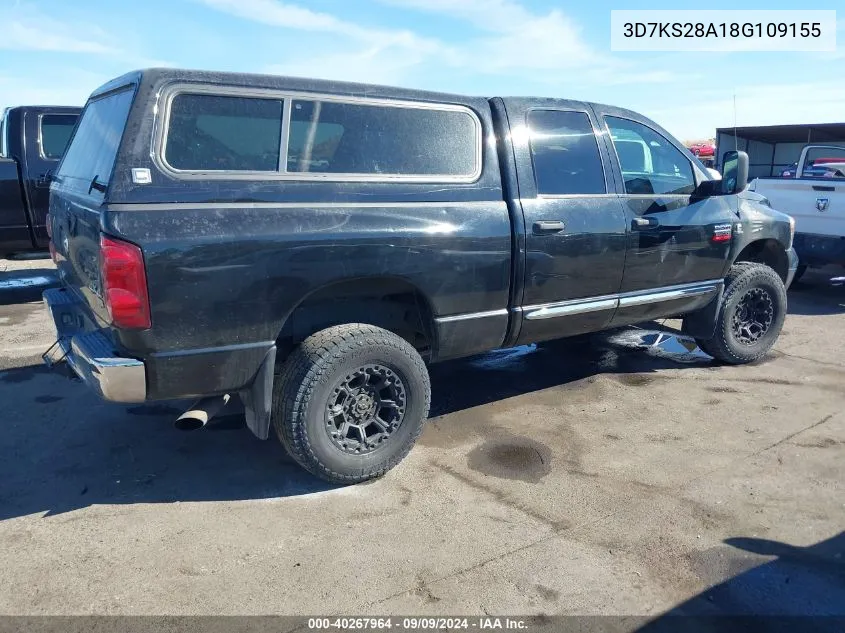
column 309, row 246
column 32, row 140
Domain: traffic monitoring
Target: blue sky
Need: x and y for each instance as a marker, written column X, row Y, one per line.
column 58, row 51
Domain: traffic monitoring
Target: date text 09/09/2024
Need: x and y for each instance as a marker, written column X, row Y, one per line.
column 418, row 623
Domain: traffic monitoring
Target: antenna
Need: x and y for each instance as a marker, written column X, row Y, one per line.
column 736, row 148
column 736, row 138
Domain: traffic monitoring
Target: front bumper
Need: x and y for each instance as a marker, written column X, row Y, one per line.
column 90, row 352
column 793, row 266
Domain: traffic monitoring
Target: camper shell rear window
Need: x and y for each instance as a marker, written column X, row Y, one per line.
column 89, row 160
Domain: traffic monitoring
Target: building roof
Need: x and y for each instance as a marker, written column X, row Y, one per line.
column 796, row 133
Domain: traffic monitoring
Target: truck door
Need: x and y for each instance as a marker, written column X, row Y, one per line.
column 52, row 132
column 678, row 245
column 575, row 229
column 818, row 205
column 14, row 229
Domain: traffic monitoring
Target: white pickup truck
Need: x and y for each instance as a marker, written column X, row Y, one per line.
column 815, row 197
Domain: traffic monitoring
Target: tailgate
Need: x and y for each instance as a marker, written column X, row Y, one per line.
column 79, row 191
column 76, row 240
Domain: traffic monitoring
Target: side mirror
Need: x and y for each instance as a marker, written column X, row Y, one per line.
column 734, row 172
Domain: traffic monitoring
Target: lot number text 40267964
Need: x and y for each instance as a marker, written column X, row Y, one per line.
column 422, row 623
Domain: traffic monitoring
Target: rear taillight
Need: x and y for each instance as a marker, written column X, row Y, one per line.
column 124, row 283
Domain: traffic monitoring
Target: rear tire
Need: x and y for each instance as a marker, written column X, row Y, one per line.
column 751, row 315
column 350, row 402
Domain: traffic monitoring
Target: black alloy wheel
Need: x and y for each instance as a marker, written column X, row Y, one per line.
column 753, row 316
column 365, row 408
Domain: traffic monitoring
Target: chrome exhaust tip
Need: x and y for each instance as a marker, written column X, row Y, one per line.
column 201, row 412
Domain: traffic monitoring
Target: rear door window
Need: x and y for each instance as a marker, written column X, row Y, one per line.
column 650, row 163
column 565, row 153
column 224, row 133
column 89, row 160
column 55, row 133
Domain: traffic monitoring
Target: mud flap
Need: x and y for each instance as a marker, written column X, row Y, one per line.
column 701, row 324
column 258, row 399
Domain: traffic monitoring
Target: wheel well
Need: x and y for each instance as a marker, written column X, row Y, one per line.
column 768, row 252
column 389, row 303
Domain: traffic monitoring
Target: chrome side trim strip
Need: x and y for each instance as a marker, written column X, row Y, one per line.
column 566, row 308
column 624, row 300
column 181, row 206
column 471, row 315
column 668, row 294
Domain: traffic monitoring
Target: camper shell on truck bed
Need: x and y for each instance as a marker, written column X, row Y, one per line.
column 309, row 245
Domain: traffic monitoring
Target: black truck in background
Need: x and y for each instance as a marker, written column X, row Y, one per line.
column 310, row 246
column 32, row 140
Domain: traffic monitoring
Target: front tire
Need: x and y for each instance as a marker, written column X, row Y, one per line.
column 751, row 315
column 350, row 402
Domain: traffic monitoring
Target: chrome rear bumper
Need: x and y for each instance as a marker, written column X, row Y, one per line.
column 90, row 352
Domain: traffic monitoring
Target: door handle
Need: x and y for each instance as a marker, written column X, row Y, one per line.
column 644, row 223
column 549, row 226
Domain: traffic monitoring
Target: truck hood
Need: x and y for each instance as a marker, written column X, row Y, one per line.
column 760, row 219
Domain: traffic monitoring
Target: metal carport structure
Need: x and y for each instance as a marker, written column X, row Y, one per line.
column 772, row 148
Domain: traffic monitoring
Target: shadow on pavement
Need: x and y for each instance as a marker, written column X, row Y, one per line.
column 815, row 295
column 773, row 586
column 62, row 449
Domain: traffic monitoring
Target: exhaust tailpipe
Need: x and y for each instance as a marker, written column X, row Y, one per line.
column 201, row 412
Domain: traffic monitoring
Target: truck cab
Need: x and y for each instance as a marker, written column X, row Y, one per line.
column 32, row 141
